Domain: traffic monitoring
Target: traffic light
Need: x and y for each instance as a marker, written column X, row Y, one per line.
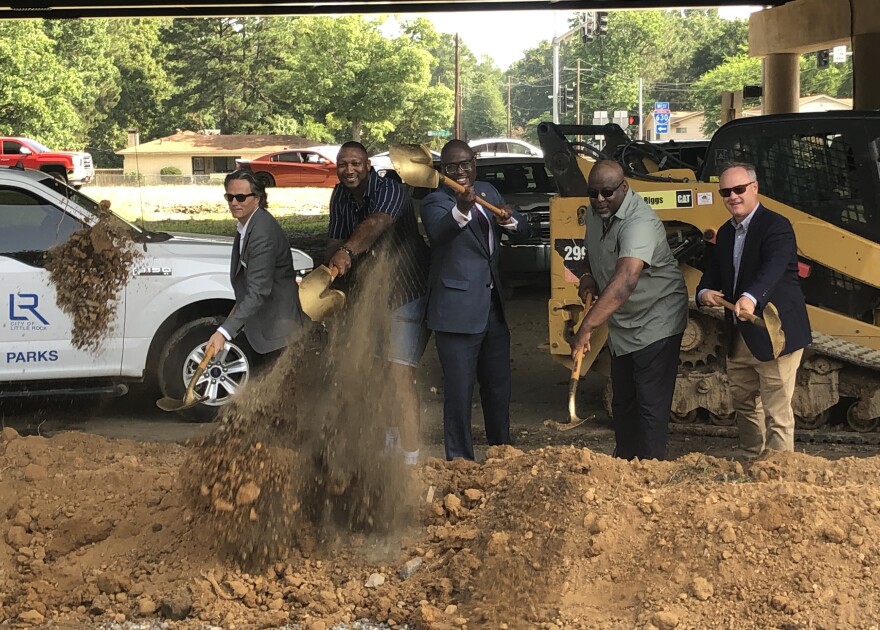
column 587, row 29
column 569, row 98
column 563, row 105
column 601, row 22
column 633, row 119
column 822, row 58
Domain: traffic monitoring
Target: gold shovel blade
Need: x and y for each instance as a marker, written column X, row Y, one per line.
column 190, row 398
column 774, row 328
column 415, row 165
column 317, row 299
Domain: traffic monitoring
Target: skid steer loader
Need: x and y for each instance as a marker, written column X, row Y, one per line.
column 822, row 172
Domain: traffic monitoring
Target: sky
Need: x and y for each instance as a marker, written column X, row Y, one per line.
column 504, row 35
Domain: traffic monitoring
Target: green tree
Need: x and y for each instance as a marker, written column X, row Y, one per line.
column 37, row 90
column 222, row 69
column 144, row 88
column 93, row 87
column 354, row 81
column 731, row 76
column 483, row 110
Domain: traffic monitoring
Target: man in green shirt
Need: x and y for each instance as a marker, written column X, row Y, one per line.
column 640, row 292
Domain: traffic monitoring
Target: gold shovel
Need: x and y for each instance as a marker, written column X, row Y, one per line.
column 771, row 323
column 190, row 398
column 573, row 419
column 316, row 297
column 415, row 165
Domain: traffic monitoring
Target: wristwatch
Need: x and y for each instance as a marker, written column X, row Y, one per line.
column 347, row 250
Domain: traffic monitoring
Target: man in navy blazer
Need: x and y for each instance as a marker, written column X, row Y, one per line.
column 465, row 309
column 755, row 262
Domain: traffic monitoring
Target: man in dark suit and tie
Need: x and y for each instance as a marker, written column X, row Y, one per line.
column 465, row 309
column 754, row 263
column 267, row 305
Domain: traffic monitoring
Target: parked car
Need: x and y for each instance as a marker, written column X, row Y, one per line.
column 73, row 167
column 384, row 168
column 178, row 296
column 294, row 167
column 524, row 182
column 504, row 147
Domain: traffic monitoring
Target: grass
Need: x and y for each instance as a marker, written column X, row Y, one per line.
column 309, row 225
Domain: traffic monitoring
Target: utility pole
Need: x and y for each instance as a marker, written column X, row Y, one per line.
column 556, row 41
column 508, row 104
column 457, row 90
column 641, row 86
column 577, row 95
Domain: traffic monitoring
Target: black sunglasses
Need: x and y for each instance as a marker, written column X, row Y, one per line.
column 725, row 192
column 606, row 193
column 239, row 198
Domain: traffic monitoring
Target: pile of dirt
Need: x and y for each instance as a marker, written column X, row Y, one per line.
column 95, row 530
column 292, row 513
column 89, row 270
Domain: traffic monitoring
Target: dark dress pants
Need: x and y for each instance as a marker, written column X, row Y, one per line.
column 485, row 355
column 642, row 384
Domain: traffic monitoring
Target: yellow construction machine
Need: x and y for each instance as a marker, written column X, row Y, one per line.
column 822, row 172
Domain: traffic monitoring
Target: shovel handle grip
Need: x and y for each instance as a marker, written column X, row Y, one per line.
column 454, row 185
column 751, row 317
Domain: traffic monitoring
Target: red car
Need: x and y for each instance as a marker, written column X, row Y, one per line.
column 294, row 167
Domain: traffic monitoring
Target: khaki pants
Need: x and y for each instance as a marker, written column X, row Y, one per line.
column 761, row 393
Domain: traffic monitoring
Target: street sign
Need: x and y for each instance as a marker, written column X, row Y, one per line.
column 439, row 133
column 600, row 117
column 661, row 128
column 661, row 106
column 838, row 54
column 662, row 118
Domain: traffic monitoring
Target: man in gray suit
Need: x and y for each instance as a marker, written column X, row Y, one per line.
column 465, row 309
column 267, row 305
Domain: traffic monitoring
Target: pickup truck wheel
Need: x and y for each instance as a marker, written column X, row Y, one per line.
column 264, row 178
column 61, row 176
column 224, row 376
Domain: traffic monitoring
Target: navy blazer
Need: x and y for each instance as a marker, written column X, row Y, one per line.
column 768, row 272
column 462, row 271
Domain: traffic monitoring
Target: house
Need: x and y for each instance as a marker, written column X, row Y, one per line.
column 814, row 103
column 201, row 153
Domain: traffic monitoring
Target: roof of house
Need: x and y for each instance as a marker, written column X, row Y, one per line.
column 195, row 143
column 678, row 117
column 843, row 103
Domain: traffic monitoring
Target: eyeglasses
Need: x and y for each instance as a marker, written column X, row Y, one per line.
column 453, row 167
column 725, row 192
column 239, row 198
column 606, row 193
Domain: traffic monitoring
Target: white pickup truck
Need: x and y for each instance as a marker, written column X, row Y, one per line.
column 180, row 292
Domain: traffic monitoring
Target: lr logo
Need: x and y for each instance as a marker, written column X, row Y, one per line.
column 23, row 313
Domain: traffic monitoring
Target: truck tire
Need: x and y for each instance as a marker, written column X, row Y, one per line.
column 225, row 374
column 58, row 173
column 266, row 179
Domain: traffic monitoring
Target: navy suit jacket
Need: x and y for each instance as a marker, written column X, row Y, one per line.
column 462, row 271
column 768, row 272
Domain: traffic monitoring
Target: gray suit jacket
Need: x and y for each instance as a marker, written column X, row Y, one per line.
column 462, row 271
column 266, row 294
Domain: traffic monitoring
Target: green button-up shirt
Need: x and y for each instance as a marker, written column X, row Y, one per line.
column 658, row 307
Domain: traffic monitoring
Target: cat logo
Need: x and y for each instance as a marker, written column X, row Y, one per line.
column 684, row 199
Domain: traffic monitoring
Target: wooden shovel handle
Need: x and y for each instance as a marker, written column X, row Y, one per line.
column 751, row 317
column 209, row 354
column 454, row 185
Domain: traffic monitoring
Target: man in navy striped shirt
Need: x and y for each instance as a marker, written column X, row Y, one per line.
column 369, row 213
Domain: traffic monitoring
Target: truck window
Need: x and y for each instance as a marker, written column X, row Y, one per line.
column 29, row 223
column 11, row 147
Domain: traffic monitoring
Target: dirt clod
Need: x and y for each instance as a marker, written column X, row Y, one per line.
column 89, row 270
